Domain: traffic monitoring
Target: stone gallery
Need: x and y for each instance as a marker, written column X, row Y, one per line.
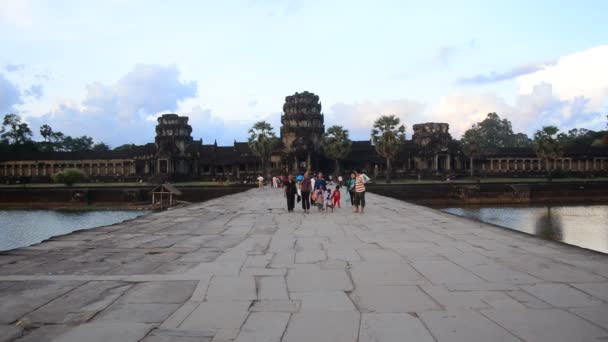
column 176, row 155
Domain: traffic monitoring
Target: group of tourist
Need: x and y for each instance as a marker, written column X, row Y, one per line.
column 315, row 190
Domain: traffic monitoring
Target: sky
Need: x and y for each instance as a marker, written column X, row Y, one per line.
column 108, row 68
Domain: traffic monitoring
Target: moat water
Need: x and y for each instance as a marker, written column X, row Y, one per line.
column 581, row 225
column 20, row 228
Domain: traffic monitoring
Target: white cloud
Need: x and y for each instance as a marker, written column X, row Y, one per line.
column 359, row 117
column 119, row 113
column 462, row 109
column 579, row 74
column 17, row 12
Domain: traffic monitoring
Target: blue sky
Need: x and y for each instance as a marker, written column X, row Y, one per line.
column 108, row 68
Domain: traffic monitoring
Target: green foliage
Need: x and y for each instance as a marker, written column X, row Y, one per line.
column 53, row 141
column 549, row 144
column 69, row 177
column 124, row 147
column 78, row 144
column 492, row 133
column 14, row 131
column 581, row 137
column 388, row 136
column 262, row 141
column 521, row 140
column 100, row 147
column 336, row 144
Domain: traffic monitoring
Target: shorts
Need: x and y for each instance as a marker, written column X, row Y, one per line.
column 360, row 199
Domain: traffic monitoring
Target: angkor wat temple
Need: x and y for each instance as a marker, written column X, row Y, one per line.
column 176, row 155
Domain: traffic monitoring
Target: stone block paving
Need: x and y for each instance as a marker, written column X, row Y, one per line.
column 240, row 268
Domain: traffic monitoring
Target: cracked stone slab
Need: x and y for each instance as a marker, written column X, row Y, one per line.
column 263, row 326
column 232, row 288
column 561, row 295
column 392, row 299
column 137, row 312
column 160, row 292
column 174, row 335
column 105, row 332
column 323, row 327
column 80, row 305
column 392, row 327
column 311, row 279
column 464, row 326
column 26, row 296
column 545, row 325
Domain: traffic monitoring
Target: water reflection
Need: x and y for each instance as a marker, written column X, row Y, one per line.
column 549, row 226
column 19, row 228
column 581, row 225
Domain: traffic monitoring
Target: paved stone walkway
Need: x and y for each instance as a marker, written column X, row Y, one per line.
column 240, row 268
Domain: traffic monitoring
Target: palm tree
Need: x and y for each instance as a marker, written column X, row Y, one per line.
column 336, row 145
column 262, row 141
column 548, row 145
column 388, row 137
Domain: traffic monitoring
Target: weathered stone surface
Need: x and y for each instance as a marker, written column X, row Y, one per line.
column 80, row 305
column 561, row 295
column 323, row 327
column 392, row 327
column 217, row 315
column 231, row 269
column 172, row 335
column 272, row 288
column 263, row 326
column 9, row 333
column 105, row 332
column 323, row 301
column 232, row 288
column 392, row 299
column 545, row 325
column 383, row 273
column 162, row 292
column 314, row 279
column 276, row 306
column 26, row 296
column 464, row 326
column 137, row 312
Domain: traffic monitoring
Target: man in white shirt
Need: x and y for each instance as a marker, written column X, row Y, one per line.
column 260, row 182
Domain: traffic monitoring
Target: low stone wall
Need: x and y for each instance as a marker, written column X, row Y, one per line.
column 74, row 196
column 495, row 193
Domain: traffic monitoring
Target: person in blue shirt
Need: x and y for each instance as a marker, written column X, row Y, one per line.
column 321, row 183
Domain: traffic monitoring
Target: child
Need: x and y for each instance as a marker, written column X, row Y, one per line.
column 328, row 201
column 319, row 200
column 335, row 197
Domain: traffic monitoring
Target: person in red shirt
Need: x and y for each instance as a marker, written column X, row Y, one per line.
column 335, row 197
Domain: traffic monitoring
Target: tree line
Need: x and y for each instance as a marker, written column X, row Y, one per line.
column 483, row 138
column 17, row 136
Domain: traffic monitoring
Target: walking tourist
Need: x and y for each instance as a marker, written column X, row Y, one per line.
column 335, row 197
column 260, row 182
column 360, row 180
column 319, row 198
column 305, row 188
column 275, row 182
column 321, row 182
column 328, row 201
column 340, row 180
column 290, row 192
column 350, row 187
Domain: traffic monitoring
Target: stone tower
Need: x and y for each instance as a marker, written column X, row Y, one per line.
column 173, row 137
column 302, row 130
